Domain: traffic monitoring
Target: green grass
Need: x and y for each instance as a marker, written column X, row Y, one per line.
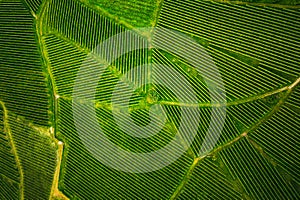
column 28, row 158
column 285, row 143
column 209, row 174
column 33, row 5
column 136, row 13
column 104, row 181
column 9, row 171
column 277, row 2
column 22, row 79
column 9, row 189
column 256, row 50
column 37, row 155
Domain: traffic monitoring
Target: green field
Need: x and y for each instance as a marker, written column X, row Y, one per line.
column 254, row 44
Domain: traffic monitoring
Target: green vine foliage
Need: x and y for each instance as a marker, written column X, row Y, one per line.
column 255, row 46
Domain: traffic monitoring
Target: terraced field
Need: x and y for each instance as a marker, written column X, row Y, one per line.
column 44, row 47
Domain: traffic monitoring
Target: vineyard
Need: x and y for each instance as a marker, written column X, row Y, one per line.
column 254, row 45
